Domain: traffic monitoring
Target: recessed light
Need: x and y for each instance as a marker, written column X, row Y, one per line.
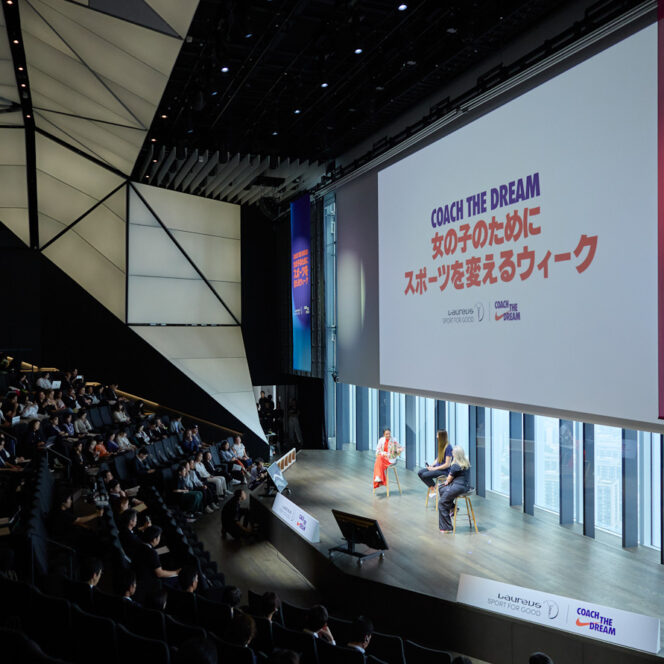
column 275, row 133
column 323, row 85
column 224, row 70
column 214, row 93
column 10, row 2
column 153, row 140
column 28, row 115
column 164, row 116
column 451, row 30
column 249, row 35
column 358, row 51
column 20, row 68
column 16, row 41
column 297, row 111
column 23, row 85
column 402, row 7
column 154, row 161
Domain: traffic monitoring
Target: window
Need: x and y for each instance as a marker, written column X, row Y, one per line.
column 500, row 451
column 461, row 434
column 608, row 482
column 547, row 463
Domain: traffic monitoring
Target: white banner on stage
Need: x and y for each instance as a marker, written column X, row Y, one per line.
column 300, row 521
column 622, row 628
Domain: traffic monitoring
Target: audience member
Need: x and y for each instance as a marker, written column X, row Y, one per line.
column 282, row 656
column 360, row 634
column 316, row 624
column 235, row 518
column 539, row 658
column 196, row 651
column 240, row 451
column 242, row 629
column 188, row 579
column 270, row 604
column 217, row 481
column 232, row 596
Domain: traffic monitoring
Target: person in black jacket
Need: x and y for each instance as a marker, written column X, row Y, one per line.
column 455, row 485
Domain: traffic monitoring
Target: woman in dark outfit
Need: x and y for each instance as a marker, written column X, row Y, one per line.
column 455, row 484
column 443, row 461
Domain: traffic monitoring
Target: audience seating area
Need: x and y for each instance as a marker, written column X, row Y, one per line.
column 79, row 594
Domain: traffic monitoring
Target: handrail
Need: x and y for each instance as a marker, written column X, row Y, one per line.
column 159, row 406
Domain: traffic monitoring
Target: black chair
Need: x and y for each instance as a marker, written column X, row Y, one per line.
column 263, row 641
column 80, row 593
column 340, row 629
column 181, row 605
column 295, row 617
column 15, row 597
column 228, row 652
column 94, row 638
column 387, row 647
column 178, row 632
column 146, row 622
column 135, row 649
column 17, row 647
column 94, row 415
column 214, row 616
column 110, row 606
column 374, row 660
column 49, row 619
column 301, row 642
column 422, row 655
column 329, row 654
column 106, row 416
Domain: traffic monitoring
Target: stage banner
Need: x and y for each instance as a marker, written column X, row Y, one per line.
column 300, row 283
column 300, row 521
column 623, row 628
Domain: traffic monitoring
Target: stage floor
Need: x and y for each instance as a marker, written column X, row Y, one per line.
column 513, row 547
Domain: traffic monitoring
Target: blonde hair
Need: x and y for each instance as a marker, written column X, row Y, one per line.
column 459, row 457
column 443, row 442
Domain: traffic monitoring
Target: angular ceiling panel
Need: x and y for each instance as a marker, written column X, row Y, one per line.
column 91, row 269
column 13, row 183
column 16, row 220
column 231, row 294
column 177, row 13
column 136, row 11
column 196, row 342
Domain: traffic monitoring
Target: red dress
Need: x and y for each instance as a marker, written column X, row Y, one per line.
column 382, row 461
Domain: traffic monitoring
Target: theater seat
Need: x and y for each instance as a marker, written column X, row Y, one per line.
column 329, row 654
column 93, row 638
column 422, row 655
column 135, row 649
column 295, row 617
column 214, row 616
column 178, row 632
column 229, row 653
column 387, row 647
column 149, row 623
column 296, row 640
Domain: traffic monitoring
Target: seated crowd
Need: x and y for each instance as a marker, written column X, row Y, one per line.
column 103, row 495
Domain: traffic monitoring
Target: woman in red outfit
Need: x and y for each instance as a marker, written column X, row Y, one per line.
column 387, row 452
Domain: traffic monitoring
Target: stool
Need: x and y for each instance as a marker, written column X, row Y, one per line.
column 387, row 479
column 469, row 510
column 436, row 488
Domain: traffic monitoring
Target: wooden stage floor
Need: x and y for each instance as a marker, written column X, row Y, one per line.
column 511, row 546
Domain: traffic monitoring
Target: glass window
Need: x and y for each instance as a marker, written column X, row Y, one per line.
column 656, row 491
column 608, row 482
column 500, row 451
column 547, row 463
column 578, row 471
column 461, row 426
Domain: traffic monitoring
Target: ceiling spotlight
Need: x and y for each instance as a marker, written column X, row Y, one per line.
column 164, row 116
column 23, row 85
column 451, row 30
column 249, row 35
column 379, row 88
column 358, row 51
column 20, row 68
column 154, row 161
column 214, row 93
column 402, row 7
column 153, row 140
column 297, row 111
column 275, row 133
column 28, row 115
column 147, row 177
column 224, row 70
column 16, row 41
column 10, row 2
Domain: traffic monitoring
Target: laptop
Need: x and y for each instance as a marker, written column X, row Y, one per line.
column 56, row 384
column 15, row 420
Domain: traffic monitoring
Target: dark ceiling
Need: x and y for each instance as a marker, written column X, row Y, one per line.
column 250, row 76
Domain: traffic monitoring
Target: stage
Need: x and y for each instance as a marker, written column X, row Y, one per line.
column 513, row 547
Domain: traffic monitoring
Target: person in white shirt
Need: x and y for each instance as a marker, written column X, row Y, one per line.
column 177, row 426
column 360, row 634
column 82, row 425
column 122, row 439
column 45, row 381
column 240, row 451
column 120, row 414
column 217, row 481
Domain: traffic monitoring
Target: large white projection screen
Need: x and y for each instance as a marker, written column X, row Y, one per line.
column 555, row 323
